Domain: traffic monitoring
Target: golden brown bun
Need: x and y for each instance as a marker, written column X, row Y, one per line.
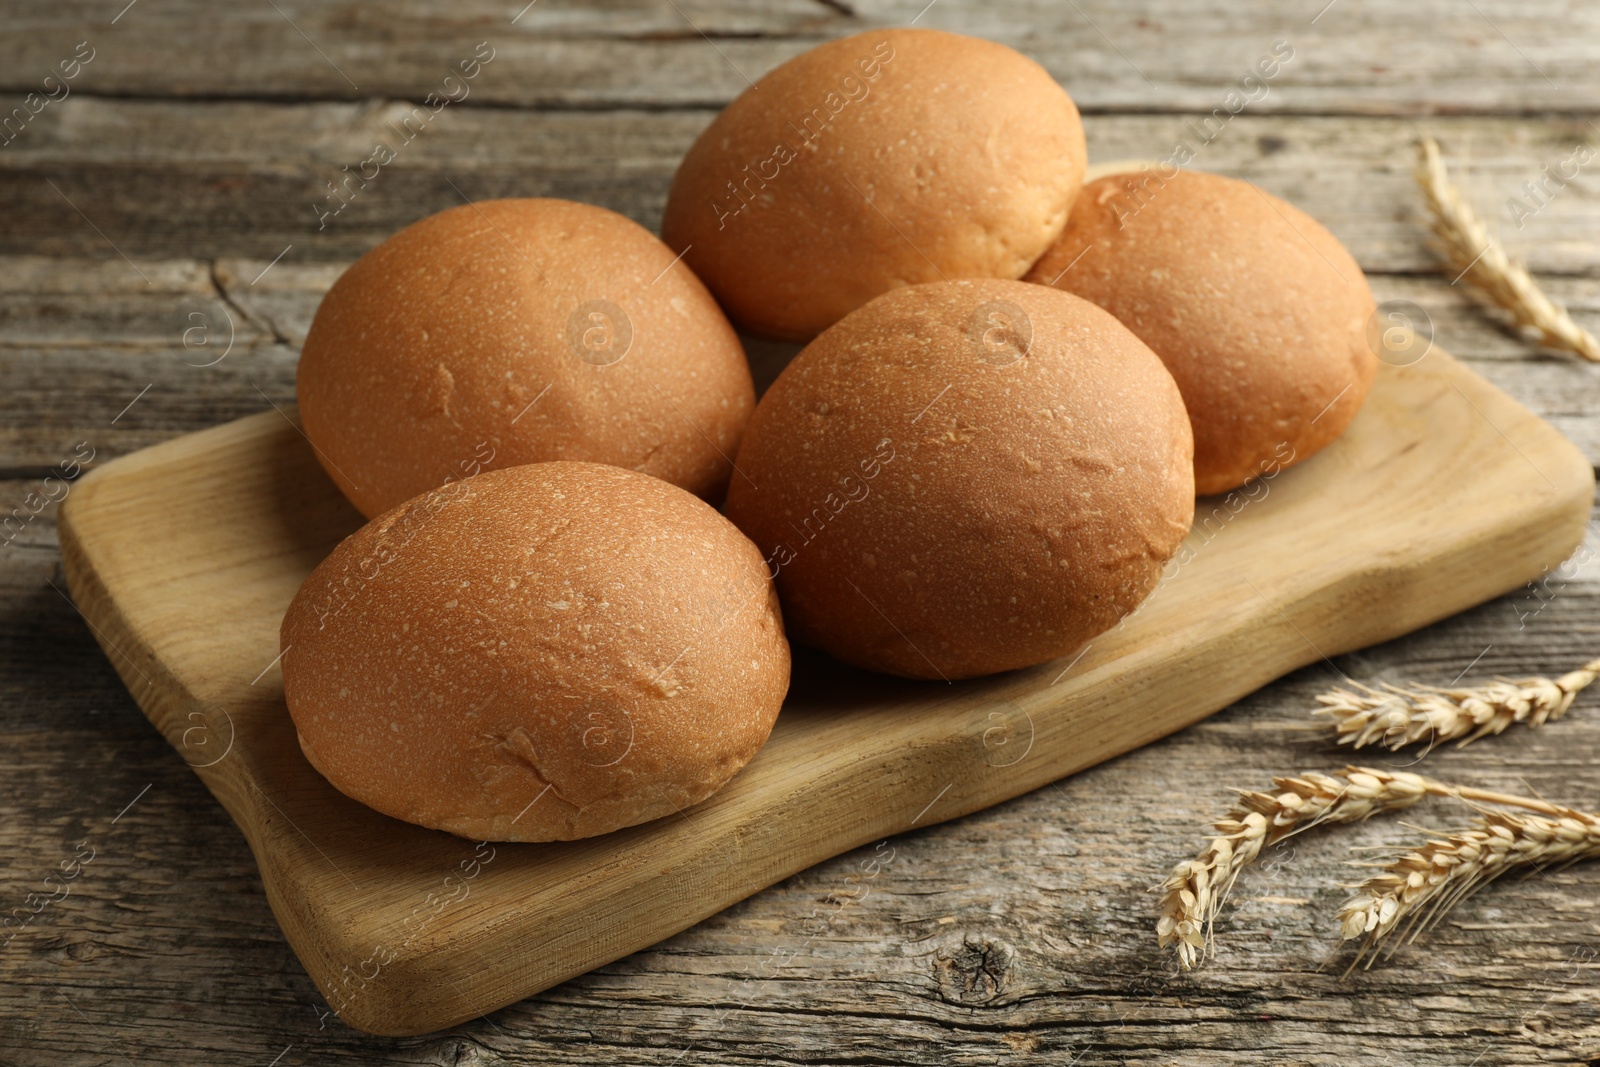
column 940, row 505
column 1259, row 313
column 482, row 337
column 536, row 654
column 969, row 153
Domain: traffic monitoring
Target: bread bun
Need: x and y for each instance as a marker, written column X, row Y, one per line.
column 1259, row 313
column 884, row 159
column 520, row 331
column 966, row 477
column 538, row 653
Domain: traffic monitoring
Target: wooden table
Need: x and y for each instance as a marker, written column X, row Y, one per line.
column 170, row 206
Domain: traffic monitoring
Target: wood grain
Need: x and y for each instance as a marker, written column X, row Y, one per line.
column 1361, row 56
column 234, row 518
column 216, row 180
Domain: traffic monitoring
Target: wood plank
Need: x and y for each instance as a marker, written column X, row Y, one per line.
column 95, row 326
column 48, row 303
column 222, row 180
column 126, row 398
column 238, row 515
column 1360, row 56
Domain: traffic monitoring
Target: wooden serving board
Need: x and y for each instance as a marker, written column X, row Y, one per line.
column 182, row 557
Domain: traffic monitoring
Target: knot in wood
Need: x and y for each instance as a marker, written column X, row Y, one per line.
column 977, row 971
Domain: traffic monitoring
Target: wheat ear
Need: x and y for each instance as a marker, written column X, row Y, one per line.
column 1471, row 253
column 1416, row 890
column 1193, row 894
column 1195, row 891
column 1395, row 716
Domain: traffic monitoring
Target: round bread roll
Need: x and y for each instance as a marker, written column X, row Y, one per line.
column 966, row 477
column 893, row 157
column 1259, row 313
column 520, row 331
column 539, row 653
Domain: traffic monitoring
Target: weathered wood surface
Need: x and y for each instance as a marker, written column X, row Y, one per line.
column 1020, row 934
column 1366, row 56
column 182, row 179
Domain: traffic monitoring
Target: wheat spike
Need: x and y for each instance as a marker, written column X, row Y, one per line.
column 1195, row 891
column 1396, row 716
column 1420, row 887
column 1471, row 253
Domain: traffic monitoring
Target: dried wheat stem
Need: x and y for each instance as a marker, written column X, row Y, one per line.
column 1193, row 894
column 1471, row 253
column 1396, row 716
column 1195, row 891
column 1419, row 888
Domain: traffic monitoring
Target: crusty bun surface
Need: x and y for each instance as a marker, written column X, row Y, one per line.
column 1256, row 309
column 966, row 477
column 539, row 653
column 889, row 158
column 520, row 331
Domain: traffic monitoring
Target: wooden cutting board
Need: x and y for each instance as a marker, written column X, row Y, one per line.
column 182, row 557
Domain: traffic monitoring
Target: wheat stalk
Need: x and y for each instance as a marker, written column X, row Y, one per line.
column 1395, row 716
column 1416, row 890
column 1194, row 893
column 1471, row 252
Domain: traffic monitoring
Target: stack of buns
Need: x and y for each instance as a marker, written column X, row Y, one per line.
column 989, row 450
